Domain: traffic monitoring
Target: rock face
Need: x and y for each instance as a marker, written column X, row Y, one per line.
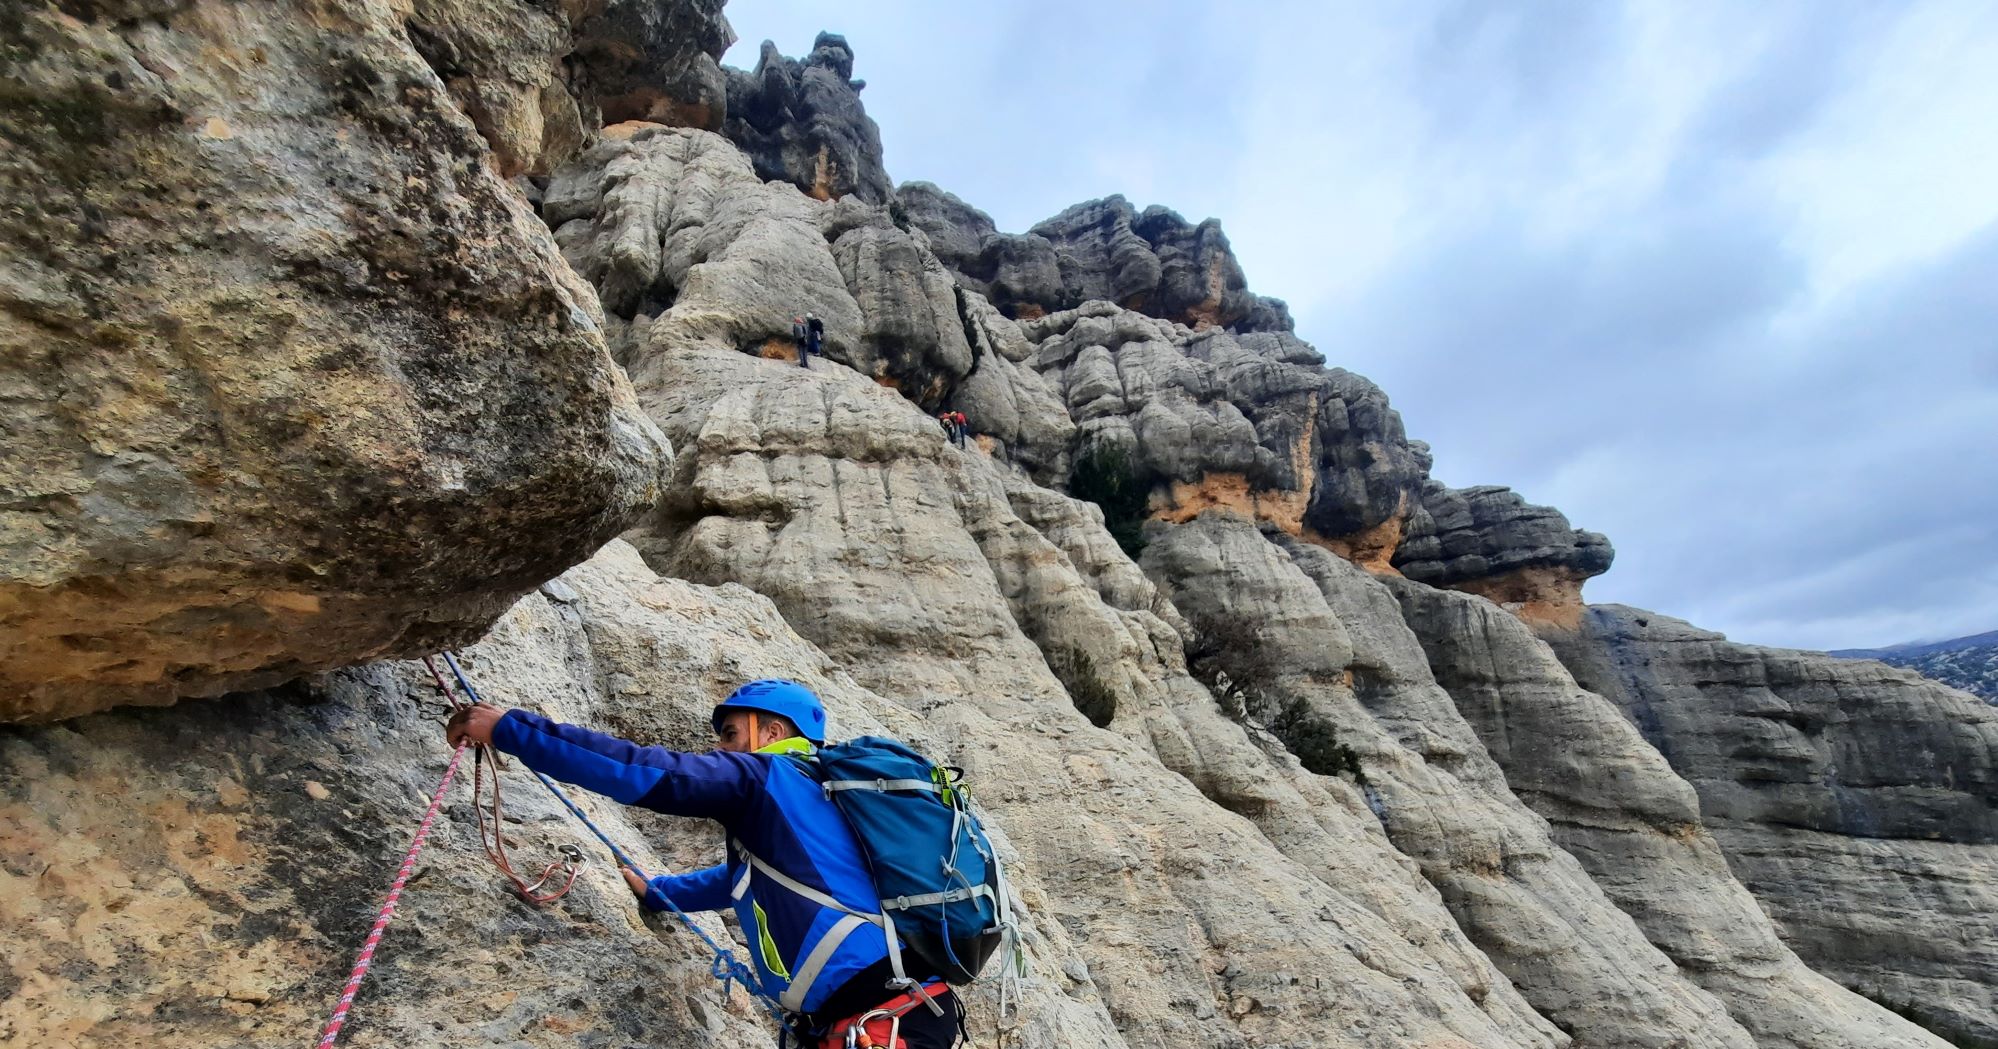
column 801, row 121
column 1330, row 665
column 1804, row 769
column 296, row 380
column 1491, row 542
column 1614, row 803
column 1153, row 262
column 291, row 378
column 538, row 80
column 909, row 564
column 1248, row 422
column 684, row 240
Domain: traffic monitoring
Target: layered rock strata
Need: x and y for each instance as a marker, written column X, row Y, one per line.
column 1248, row 422
column 1491, row 542
column 685, row 242
column 1878, row 867
column 289, row 378
column 1328, row 664
column 1613, row 803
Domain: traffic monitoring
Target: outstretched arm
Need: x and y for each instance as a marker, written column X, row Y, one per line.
column 712, row 785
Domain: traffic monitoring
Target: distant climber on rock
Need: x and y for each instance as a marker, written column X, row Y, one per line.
column 815, row 335
column 797, row 873
column 799, row 333
column 958, row 424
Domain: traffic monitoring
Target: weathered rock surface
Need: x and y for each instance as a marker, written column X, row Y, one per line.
column 299, row 380
column 289, row 378
column 538, row 80
column 801, row 121
column 1248, row 422
column 1491, row 542
column 202, row 876
column 652, row 60
column 1614, row 804
column 1323, row 659
column 906, row 561
column 1859, row 803
column 676, row 231
column 1153, row 262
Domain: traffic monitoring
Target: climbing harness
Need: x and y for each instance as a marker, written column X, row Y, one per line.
column 367, row 955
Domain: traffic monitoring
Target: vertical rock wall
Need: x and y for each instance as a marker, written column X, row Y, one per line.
column 1856, row 801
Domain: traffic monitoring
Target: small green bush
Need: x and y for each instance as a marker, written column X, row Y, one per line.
column 1106, row 476
column 1085, row 685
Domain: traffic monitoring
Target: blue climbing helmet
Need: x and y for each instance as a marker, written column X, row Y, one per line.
column 778, row 696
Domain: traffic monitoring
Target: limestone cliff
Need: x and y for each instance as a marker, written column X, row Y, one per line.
column 366, row 326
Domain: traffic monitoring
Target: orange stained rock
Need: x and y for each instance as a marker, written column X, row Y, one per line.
column 627, row 128
column 1183, row 502
column 823, row 170
column 1540, row 596
column 1207, row 312
column 778, row 349
column 1372, row 549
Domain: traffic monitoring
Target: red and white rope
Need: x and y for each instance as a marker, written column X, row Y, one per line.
column 367, row 955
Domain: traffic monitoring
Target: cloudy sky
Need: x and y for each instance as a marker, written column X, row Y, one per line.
column 1718, row 280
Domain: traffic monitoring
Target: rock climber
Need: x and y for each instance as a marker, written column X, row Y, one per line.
column 958, row 424
column 799, row 333
column 815, row 336
column 789, row 849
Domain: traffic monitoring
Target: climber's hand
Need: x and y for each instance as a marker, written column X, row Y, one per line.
column 473, row 724
column 638, row 886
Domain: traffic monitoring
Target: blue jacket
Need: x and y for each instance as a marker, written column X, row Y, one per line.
column 787, row 845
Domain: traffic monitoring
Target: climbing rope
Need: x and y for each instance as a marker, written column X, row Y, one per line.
column 486, row 768
column 367, row 956
column 724, row 966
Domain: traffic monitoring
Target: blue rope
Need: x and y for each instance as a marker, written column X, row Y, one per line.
column 725, row 966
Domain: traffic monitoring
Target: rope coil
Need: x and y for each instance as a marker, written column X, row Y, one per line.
column 724, row 966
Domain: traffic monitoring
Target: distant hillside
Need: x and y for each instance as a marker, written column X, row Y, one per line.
column 1969, row 663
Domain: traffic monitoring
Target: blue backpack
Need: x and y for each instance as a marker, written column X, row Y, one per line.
column 935, row 870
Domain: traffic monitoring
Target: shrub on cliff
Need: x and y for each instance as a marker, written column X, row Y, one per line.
column 1106, row 476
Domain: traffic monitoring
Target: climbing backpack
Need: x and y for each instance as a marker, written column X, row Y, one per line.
column 935, row 870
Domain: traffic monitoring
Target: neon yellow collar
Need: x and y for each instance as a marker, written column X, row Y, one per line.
column 792, row 745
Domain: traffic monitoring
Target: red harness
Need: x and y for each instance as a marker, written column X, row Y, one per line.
column 879, row 1027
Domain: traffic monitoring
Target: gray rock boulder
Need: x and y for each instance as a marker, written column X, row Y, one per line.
column 801, row 121
column 1152, row 261
column 1491, row 542
column 1007, row 401
column 652, row 61
column 1613, row 803
column 1858, row 802
column 294, row 379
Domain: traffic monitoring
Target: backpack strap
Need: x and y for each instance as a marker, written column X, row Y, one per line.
column 850, row 920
